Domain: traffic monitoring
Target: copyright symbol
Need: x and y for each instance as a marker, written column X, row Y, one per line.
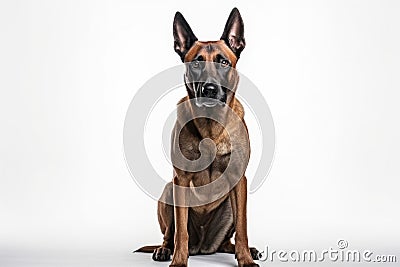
column 342, row 244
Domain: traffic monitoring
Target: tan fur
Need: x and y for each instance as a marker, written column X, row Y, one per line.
column 193, row 225
column 208, row 228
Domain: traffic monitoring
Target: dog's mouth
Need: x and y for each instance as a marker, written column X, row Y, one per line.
column 208, row 102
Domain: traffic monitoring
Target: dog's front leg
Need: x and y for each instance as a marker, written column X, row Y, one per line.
column 181, row 240
column 242, row 250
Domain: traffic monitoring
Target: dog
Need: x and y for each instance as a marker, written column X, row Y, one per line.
column 211, row 81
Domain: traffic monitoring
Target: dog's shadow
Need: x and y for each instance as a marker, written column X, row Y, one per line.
column 217, row 259
column 222, row 259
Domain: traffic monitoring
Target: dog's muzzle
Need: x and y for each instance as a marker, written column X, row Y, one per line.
column 210, row 95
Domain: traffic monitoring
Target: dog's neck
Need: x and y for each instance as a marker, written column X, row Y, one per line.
column 209, row 128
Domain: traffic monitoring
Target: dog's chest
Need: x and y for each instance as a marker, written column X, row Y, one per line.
column 223, row 148
column 191, row 151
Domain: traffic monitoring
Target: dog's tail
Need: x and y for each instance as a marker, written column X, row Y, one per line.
column 147, row 249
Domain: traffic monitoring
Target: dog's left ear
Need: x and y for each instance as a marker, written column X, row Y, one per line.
column 234, row 32
column 184, row 37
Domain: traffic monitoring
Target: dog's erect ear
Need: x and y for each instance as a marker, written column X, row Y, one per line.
column 183, row 36
column 234, row 32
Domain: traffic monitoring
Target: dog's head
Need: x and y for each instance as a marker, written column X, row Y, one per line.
column 210, row 77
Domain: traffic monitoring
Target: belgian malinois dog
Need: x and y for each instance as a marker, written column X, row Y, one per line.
column 211, row 81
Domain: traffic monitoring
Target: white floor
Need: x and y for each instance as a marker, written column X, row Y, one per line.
column 127, row 259
column 79, row 258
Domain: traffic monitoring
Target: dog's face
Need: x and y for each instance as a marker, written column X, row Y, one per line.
column 210, row 77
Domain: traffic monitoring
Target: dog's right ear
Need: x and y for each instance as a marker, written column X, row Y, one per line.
column 184, row 37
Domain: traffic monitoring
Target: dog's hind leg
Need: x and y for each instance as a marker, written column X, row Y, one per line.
column 166, row 220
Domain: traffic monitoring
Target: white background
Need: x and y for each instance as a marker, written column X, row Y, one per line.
column 329, row 71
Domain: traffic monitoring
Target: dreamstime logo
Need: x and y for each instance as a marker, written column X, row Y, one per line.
column 339, row 254
column 144, row 103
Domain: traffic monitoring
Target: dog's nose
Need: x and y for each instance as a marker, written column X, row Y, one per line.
column 210, row 90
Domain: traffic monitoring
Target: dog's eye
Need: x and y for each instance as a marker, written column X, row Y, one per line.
column 195, row 64
column 224, row 63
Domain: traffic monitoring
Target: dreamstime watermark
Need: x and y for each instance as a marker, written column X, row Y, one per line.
column 341, row 253
column 164, row 83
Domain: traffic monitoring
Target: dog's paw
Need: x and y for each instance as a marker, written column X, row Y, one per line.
column 255, row 254
column 162, row 254
column 178, row 265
